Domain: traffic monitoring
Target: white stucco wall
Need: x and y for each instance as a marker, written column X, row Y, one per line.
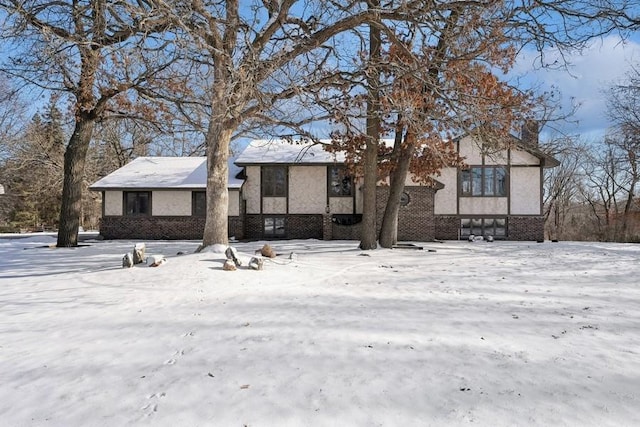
column 251, row 189
column 340, row 205
column 234, row 202
column 307, row 189
column 483, row 206
column 113, row 203
column 445, row 199
column 171, row 203
column 497, row 158
column 274, row 205
column 470, row 151
column 520, row 157
column 525, row 191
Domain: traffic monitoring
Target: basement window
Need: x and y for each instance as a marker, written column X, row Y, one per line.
column 495, row 227
column 274, row 226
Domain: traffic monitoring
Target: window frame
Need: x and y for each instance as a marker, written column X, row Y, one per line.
column 484, row 181
column 274, row 233
column 487, row 226
column 269, row 181
column 340, row 170
column 194, row 205
column 137, row 194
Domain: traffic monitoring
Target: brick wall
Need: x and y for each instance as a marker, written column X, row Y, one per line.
column 304, row 226
column 345, row 232
column 518, row 228
column 160, row 227
column 447, row 227
column 415, row 220
column 298, row 226
column 526, row 228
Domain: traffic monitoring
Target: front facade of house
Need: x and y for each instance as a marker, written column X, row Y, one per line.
column 161, row 198
column 498, row 194
column 280, row 190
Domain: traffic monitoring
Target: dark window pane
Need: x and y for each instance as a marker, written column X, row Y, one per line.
column 279, row 226
column 137, row 203
column 488, row 182
column 340, row 183
column 199, row 203
column 274, row 226
column 501, row 182
column 274, row 181
column 476, row 184
column 465, row 225
column 465, row 178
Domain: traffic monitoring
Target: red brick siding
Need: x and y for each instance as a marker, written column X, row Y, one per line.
column 518, row 227
column 447, row 227
column 526, row 228
column 298, row 226
column 160, row 227
column 415, row 220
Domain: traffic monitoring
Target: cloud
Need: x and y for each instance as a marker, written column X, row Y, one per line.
column 604, row 63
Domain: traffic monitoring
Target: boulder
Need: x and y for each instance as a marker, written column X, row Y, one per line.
column 229, row 265
column 267, row 251
column 127, row 261
column 256, row 263
column 138, row 253
column 232, row 254
column 156, row 260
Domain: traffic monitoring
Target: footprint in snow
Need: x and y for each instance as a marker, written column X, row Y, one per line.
column 152, row 407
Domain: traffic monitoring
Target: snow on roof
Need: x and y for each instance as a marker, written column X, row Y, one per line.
column 164, row 172
column 263, row 151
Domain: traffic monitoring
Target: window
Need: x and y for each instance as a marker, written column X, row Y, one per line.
column 137, row 203
column 495, row 227
column 274, row 226
column 199, row 203
column 340, row 183
column 274, row 181
column 484, row 181
column 405, row 199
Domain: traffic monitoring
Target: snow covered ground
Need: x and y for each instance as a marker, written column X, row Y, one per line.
column 491, row 334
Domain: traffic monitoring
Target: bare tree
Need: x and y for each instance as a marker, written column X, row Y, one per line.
column 256, row 56
column 97, row 53
column 33, row 169
column 12, row 115
column 562, row 185
column 368, row 230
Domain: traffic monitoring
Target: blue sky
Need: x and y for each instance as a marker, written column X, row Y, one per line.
column 604, row 63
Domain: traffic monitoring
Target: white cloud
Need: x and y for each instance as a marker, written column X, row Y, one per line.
column 589, row 74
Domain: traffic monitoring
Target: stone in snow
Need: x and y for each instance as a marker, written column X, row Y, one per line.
column 138, row 253
column 127, row 261
column 229, row 266
column 256, row 263
column 232, row 254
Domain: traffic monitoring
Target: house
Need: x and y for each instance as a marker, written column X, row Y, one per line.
column 298, row 191
column 161, row 198
column 498, row 194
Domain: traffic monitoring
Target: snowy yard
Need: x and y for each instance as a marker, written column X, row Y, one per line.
column 490, row 334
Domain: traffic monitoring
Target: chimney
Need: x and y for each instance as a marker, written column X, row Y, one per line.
column 529, row 132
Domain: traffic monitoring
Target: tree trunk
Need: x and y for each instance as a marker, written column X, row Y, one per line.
column 74, row 162
column 368, row 231
column 216, row 228
column 402, row 156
